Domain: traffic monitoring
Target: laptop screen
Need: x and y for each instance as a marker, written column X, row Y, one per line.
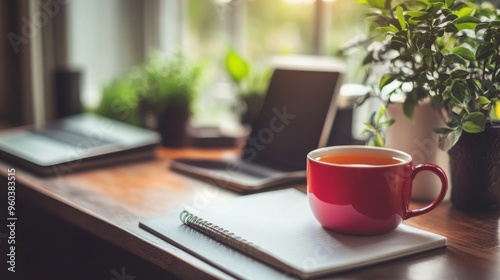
column 296, row 116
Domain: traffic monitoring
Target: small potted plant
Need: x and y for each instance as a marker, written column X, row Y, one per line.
column 251, row 85
column 168, row 88
column 158, row 95
column 446, row 53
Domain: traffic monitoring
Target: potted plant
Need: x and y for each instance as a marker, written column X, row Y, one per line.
column 119, row 101
column 446, row 53
column 158, row 95
column 251, row 85
column 168, row 88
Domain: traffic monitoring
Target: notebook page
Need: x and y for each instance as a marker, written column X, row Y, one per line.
column 281, row 224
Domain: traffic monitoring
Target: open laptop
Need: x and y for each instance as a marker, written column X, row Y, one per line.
column 75, row 143
column 296, row 117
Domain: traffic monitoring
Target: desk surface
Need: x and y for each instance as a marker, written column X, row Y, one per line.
column 110, row 202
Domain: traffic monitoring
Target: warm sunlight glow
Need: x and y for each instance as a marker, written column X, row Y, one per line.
column 299, row 1
column 305, row 1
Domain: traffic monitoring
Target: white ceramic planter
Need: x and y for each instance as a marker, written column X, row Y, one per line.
column 418, row 140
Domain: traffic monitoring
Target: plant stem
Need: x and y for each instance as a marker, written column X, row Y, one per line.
column 484, row 74
column 496, row 64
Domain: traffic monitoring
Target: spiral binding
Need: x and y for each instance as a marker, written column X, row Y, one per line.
column 216, row 232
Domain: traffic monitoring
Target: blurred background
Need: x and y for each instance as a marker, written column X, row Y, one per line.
column 59, row 56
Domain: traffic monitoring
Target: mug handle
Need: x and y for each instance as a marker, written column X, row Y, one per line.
column 444, row 187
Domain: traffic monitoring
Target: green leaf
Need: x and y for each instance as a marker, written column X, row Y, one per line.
column 495, row 23
column 465, row 11
column 466, row 22
column 466, row 19
column 450, row 3
column 454, row 58
column 481, row 26
column 474, row 122
column 387, row 29
column 397, row 43
column 490, row 35
column 497, row 77
column 380, row 114
column 471, row 84
column 485, row 51
column 371, row 120
column 460, row 93
column 453, row 121
column 444, row 78
column 450, row 17
column 361, row 100
column 237, row 68
column 425, row 2
column 409, row 106
column 434, row 8
column 451, row 28
column 389, row 122
column 401, row 18
column 368, row 59
column 483, row 101
column 416, row 14
column 442, row 130
column 380, row 4
column 426, row 55
column 446, row 141
column 385, row 80
column 459, row 74
column 465, row 53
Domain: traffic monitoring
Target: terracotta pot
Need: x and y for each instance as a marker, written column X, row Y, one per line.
column 419, row 140
column 475, row 171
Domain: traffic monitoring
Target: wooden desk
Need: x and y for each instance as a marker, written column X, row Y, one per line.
column 110, row 202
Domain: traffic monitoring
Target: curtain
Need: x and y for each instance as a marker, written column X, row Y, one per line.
column 15, row 104
column 34, row 46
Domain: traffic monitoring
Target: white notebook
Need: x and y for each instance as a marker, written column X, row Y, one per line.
column 279, row 229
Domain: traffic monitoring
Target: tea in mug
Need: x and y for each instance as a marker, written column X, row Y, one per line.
column 360, row 159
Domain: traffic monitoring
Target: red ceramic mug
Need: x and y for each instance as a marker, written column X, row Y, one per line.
column 363, row 190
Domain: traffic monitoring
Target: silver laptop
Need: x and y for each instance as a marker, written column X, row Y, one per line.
column 75, row 143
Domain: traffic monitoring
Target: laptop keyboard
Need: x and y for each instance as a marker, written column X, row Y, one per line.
column 71, row 138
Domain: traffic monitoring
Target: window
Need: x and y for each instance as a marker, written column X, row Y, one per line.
column 279, row 27
column 107, row 38
column 260, row 28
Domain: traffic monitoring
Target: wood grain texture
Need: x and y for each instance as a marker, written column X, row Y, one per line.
column 110, row 202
